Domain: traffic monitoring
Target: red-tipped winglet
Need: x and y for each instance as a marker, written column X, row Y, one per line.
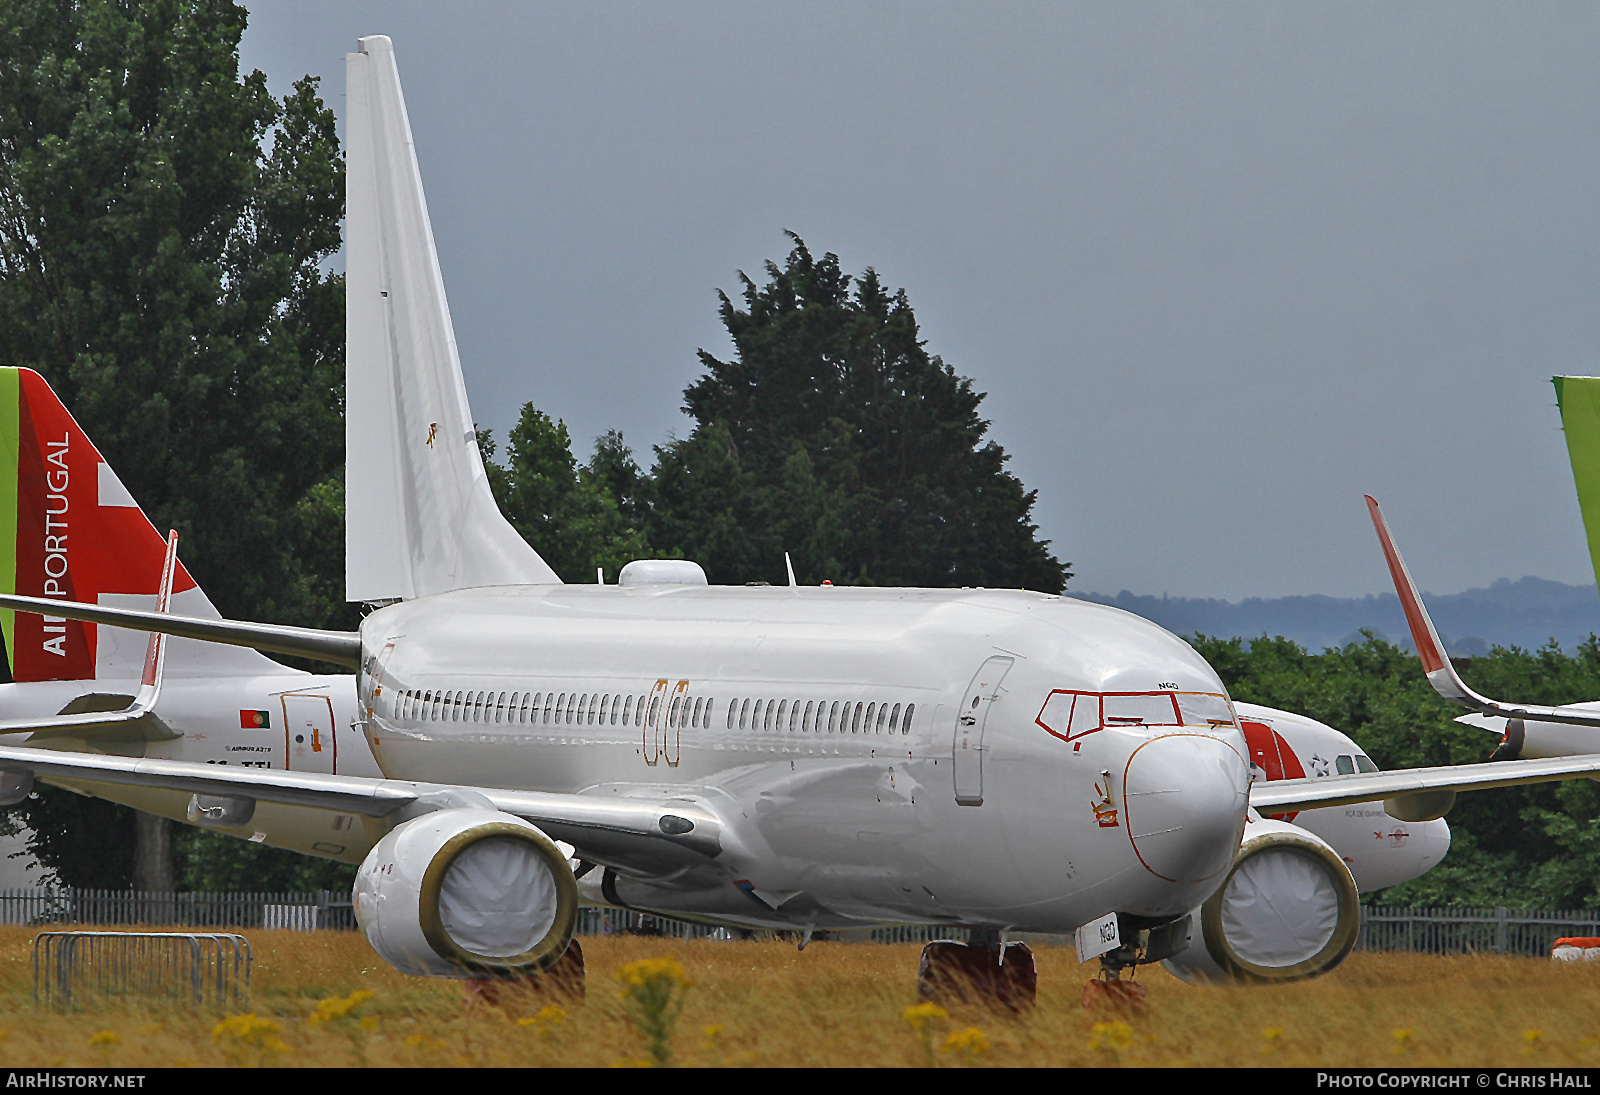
column 1441, row 674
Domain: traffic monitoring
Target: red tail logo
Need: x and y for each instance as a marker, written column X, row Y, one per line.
column 80, row 536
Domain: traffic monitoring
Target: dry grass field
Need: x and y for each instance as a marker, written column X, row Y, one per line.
column 765, row 1003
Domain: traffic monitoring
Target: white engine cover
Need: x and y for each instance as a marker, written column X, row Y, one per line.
column 1287, row 910
column 467, row 893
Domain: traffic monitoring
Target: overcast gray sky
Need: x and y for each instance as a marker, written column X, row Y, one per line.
column 1220, row 267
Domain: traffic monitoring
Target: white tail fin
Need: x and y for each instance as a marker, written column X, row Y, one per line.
column 419, row 516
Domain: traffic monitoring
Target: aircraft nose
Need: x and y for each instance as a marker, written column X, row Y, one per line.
column 1184, row 800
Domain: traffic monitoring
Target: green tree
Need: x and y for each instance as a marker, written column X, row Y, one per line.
column 832, row 434
column 576, row 517
column 163, row 226
column 1536, row 846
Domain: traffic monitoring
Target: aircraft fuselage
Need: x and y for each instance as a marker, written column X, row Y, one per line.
column 874, row 754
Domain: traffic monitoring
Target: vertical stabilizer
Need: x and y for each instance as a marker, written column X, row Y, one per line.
column 419, row 516
column 1578, row 397
column 70, row 530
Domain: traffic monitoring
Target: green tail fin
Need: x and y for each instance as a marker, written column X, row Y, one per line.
column 1579, row 400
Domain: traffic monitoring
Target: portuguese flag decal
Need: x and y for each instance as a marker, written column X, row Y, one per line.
column 254, row 720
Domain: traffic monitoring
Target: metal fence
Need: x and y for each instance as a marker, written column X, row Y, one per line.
column 198, row 968
column 1383, row 928
column 71, row 905
column 1468, row 930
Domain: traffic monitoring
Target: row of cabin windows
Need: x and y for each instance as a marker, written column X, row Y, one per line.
column 596, row 709
column 544, row 708
column 819, row 717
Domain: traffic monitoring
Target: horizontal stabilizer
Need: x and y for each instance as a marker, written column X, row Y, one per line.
column 338, row 647
column 419, row 517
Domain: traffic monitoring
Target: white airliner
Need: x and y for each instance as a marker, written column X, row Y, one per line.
column 804, row 758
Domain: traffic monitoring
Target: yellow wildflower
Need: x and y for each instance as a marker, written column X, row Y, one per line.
column 546, row 1020
column 105, row 1038
column 969, row 1044
column 245, row 1029
column 650, row 971
column 1402, row 1039
column 920, row 1015
column 1113, row 1036
column 335, row 1008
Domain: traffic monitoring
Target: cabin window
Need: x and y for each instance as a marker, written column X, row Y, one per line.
column 767, row 707
column 616, row 706
column 894, row 719
column 782, row 707
column 866, row 721
column 672, row 715
column 627, row 710
column 1346, row 766
column 794, row 716
column 650, row 716
column 574, row 705
column 805, row 721
column 699, row 706
column 883, row 716
column 554, row 711
column 855, row 719
column 705, row 721
column 744, row 710
column 500, row 708
column 438, row 702
column 833, row 717
column 905, row 726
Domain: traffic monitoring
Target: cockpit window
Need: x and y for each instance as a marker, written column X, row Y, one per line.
column 1344, row 765
column 1364, row 763
column 1147, row 710
column 1071, row 714
column 1204, row 709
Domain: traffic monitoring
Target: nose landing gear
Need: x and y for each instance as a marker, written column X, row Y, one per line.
column 1146, row 941
column 984, row 971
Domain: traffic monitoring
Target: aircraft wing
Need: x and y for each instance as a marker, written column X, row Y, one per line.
column 644, row 833
column 1441, row 674
column 1285, row 795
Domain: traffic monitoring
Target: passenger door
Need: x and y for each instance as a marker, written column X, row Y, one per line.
column 308, row 731
column 971, row 717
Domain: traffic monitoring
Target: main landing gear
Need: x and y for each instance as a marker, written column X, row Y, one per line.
column 982, row 971
column 563, row 979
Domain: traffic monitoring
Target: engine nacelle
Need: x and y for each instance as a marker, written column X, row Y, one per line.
column 467, row 893
column 1287, row 910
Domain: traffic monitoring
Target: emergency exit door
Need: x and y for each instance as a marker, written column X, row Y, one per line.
column 308, row 731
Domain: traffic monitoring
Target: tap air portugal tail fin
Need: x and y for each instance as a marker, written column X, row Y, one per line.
column 1578, row 398
column 419, row 516
column 69, row 530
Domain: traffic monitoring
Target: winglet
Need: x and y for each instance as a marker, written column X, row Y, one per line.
column 1441, row 674
column 155, row 657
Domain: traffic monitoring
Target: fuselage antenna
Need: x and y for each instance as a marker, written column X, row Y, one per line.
column 787, row 565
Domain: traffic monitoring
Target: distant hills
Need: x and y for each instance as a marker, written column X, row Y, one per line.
column 1527, row 613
